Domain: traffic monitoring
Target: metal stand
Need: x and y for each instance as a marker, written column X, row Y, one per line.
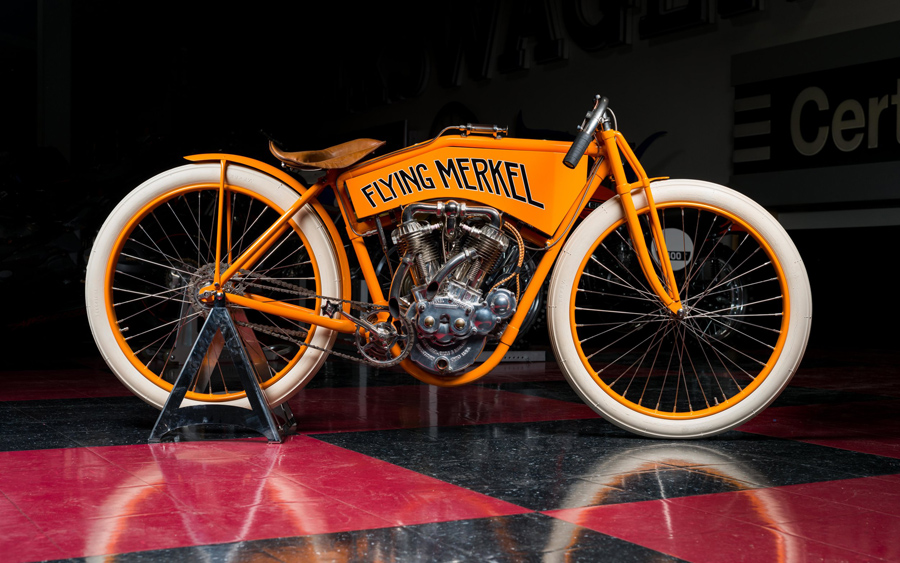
column 259, row 419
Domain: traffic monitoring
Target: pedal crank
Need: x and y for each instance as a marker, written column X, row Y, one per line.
column 380, row 342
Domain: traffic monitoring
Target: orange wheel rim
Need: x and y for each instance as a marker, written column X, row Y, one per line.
column 124, row 236
column 728, row 402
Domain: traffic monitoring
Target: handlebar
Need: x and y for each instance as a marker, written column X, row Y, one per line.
column 586, row 133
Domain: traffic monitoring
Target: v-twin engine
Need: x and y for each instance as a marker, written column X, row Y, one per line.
column 448, row 251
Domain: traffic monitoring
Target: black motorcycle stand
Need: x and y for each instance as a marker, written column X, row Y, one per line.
column 258, row 419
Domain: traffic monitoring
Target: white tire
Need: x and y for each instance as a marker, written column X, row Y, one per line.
column 747, row 307
column 156, row 243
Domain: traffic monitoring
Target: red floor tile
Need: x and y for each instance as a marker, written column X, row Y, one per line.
column 375, row 487
column 131, row 498
column 836, row 520
column 861, row 372
column 61, row 384
column 415, row 406
column 21, row 539
column 527, row 371
column 69, row 477
column 700, row 537
column 28, row 461
column 868, row 493
column 63, row 508
column 315, row 514
column 131, row 457
column 752, row 544
column 870, row 533
column 867, row 427
column 766, row 507
column 123, row 534
column 640, row 520
column 860, row 515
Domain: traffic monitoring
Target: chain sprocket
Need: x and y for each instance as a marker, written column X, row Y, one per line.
column 376, row 349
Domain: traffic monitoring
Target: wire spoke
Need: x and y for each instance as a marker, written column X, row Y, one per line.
column 732, row 297
column 144, row 295
column 133, row 257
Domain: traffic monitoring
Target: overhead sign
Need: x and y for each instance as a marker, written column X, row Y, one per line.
column 840, row 116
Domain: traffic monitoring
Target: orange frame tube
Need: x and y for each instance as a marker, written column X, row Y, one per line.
column 267, row 239
column 290, row 311
column 612, row 142
column 299, row 188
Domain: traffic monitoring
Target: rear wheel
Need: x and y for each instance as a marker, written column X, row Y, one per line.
column 158, row 249
column 747, row 310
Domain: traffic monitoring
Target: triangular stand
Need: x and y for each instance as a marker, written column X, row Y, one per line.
column 259, row 419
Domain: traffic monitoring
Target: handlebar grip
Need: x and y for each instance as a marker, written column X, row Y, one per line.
column 576, row 151
column 583, row 138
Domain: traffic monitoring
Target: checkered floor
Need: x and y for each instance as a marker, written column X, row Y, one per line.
column 512, row 468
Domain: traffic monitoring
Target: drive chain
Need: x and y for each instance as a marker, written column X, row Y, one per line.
column 293, row 335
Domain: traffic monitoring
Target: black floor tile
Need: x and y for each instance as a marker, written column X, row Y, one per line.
column 32, row 438
column 558, row 390
column 563, row 493
column 350, row 374
column 221, row 553
column 126, row 404
column 592, row 427
column 799, row 396
column 671, row 482
column 545, row 466
column 114, row 421
column 13, row 417
column 382, row 544
column 803, row 458
column 520, row 538
column 532, row 537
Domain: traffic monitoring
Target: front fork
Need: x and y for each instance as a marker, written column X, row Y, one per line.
column 668, row 294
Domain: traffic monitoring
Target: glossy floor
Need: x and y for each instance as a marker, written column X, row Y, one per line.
column 512, row 468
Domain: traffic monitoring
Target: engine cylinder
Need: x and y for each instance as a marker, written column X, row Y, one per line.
column 415, row 237
column 490, row 243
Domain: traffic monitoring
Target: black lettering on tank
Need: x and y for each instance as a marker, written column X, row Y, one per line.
column 424, row 181
column 480, row 168
column 497, row 176
column 531, row 200
column 367, row 191
column 389, row 186
column 512, row 172
column 445, row 171
column 463, row 165
column 407, row 180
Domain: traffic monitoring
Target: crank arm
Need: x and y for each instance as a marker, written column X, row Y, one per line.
column 376, row 335
column 369, row 327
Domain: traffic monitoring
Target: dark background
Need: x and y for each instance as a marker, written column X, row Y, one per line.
column 146, row 84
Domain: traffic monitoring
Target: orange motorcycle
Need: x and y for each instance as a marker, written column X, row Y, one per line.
column 676, row 308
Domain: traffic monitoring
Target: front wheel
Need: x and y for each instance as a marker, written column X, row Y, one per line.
column 747, row 312
column 157, row 250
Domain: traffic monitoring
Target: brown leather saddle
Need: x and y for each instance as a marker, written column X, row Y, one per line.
column 339, row 156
